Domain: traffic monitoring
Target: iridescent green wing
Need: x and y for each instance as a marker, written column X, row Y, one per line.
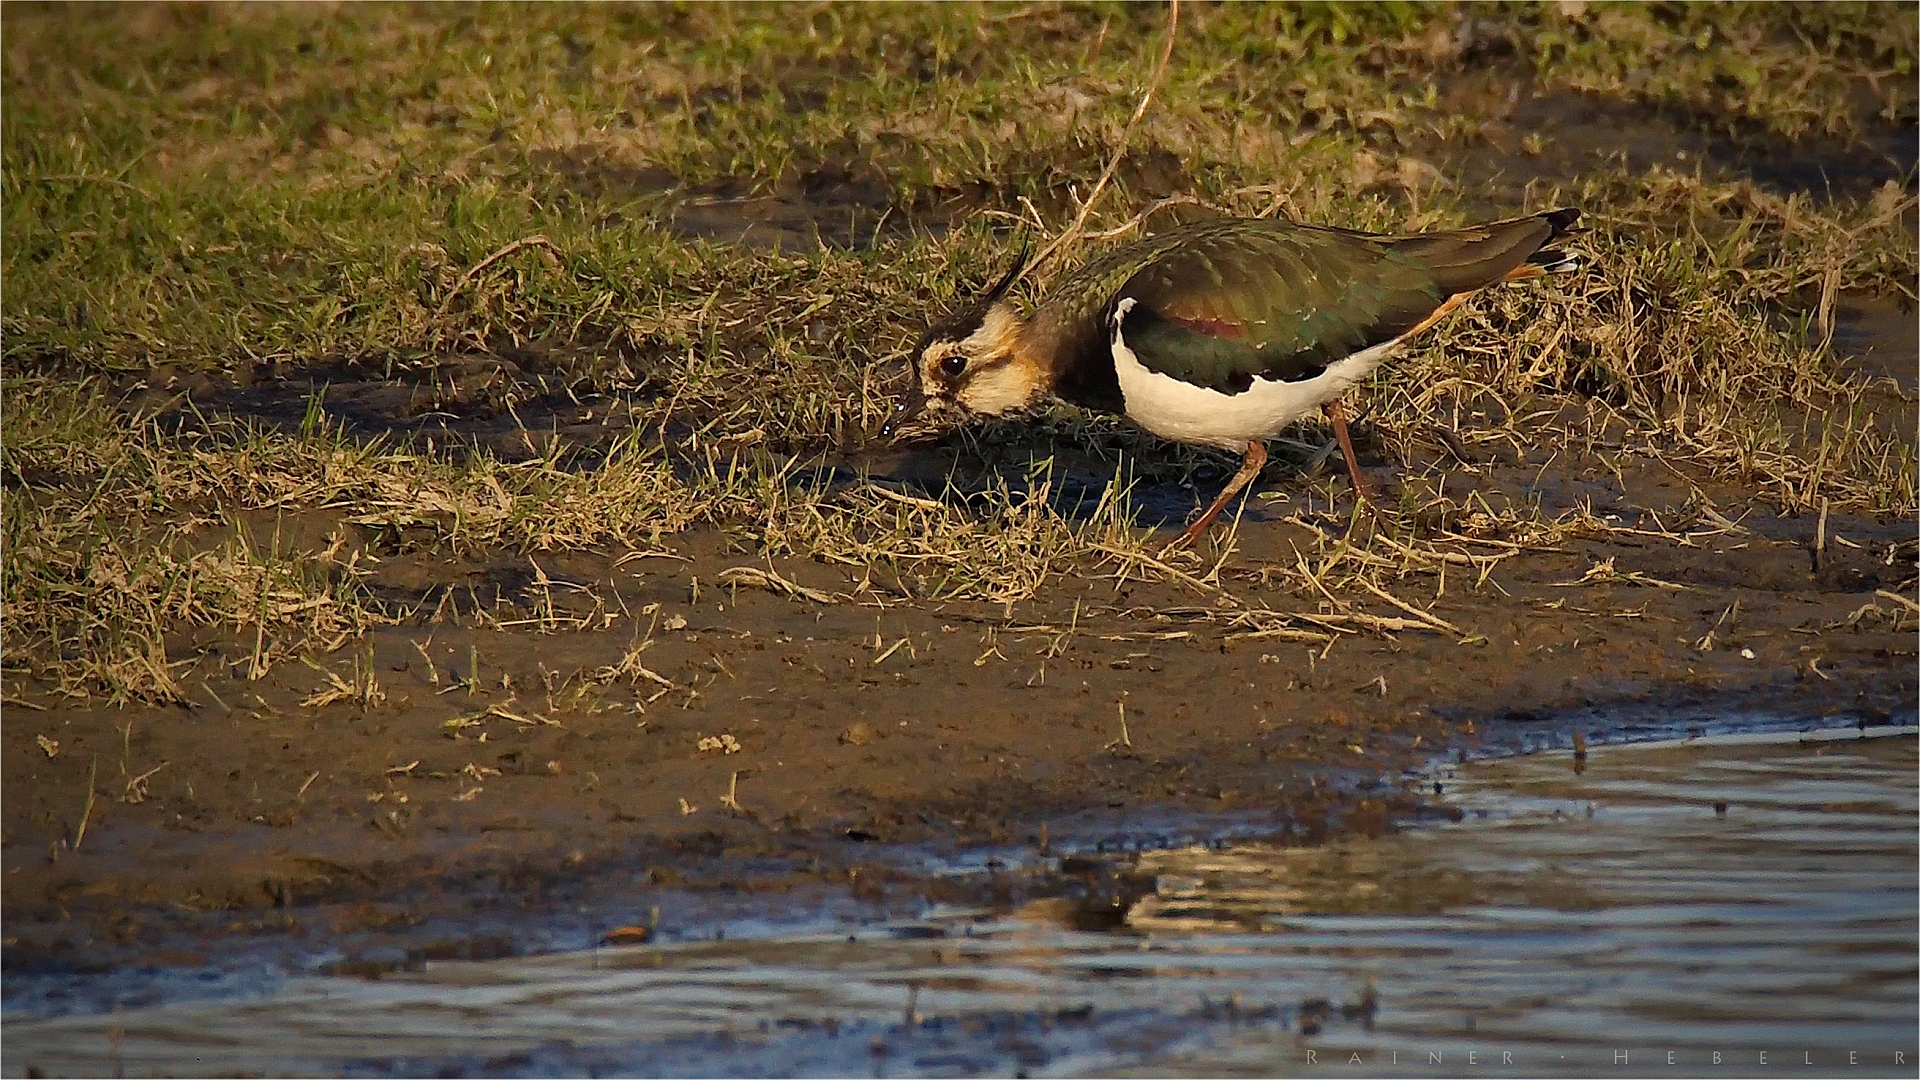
column 1224, row 302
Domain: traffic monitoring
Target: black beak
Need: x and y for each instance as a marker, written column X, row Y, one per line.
column 905, row 412
column 918, row 418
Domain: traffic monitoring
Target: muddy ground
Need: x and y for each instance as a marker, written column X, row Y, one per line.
column 779, row 741
column 796, row 741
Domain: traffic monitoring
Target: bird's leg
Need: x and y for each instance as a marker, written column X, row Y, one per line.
column 1250, row 466
column 1339, row 421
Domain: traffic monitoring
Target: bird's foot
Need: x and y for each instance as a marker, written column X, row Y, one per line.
column 1184, row 540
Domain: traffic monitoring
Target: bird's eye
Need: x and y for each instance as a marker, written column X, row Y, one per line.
column 953, row 366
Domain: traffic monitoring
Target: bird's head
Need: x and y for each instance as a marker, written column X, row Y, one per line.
column 972, row 363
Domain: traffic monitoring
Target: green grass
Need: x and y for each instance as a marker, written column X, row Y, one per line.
column 209, row 189
column 201, row 186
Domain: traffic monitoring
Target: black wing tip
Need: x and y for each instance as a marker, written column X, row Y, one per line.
column 1553, row 260
column 1562, row 220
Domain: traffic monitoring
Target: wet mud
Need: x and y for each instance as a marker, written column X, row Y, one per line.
column 1542, row 138
column 835, row 202
column 1576, row 896
column 785, row 746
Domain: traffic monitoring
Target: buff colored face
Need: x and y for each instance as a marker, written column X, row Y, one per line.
column 978, row 368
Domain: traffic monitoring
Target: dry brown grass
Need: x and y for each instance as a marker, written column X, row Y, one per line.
column 244, row 190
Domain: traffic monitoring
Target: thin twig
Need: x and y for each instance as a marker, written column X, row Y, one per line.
column 86, row 813
column 1428, row 617
column 1153, row 563
column 467, row 278
column 1138, row 219
column 1282, row 633
column 1820, row 537
column 900, row 497
column 1898, row 599
column 1113, row 163
column 767, row 579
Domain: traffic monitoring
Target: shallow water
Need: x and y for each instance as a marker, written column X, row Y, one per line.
column 1658, row 906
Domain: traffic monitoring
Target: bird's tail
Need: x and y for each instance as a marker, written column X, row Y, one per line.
column 1462, row 260
column 1552, row 260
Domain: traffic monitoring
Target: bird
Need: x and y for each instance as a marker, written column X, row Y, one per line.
column 1220, row 332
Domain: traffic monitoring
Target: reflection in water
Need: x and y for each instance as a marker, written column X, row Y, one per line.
column 1684, row 900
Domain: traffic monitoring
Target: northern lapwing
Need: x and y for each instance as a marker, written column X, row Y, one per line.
column 1221, row 332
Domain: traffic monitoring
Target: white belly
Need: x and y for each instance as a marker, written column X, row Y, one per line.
column 1186, row 413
